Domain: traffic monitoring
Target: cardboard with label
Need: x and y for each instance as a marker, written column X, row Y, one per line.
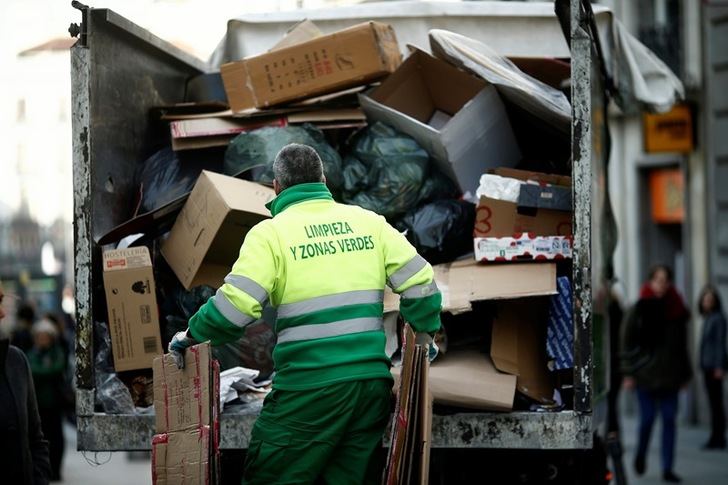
column 206, row 238
column 464, row 282
column 458, row 118
column 323, row 64
column 518, row 346
column 131, row 301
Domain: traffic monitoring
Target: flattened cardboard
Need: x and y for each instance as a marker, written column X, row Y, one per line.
column 476, row 138
column 182, row 457
column 518, row 346
column 131, row 300
column 464, row 282
column 500, row 218
column 184, row 398
column 213, row 131
column 206, row 238
column 349, row 57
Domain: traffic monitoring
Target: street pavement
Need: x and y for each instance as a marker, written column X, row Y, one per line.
column 695, row 466
column 117, row 468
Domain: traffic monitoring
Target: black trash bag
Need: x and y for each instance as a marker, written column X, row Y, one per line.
column 437, row 186
column 384, row 171
column 167, row 174
column 258, row 148
column 441, row 231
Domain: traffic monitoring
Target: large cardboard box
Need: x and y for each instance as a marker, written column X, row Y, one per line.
column 131, row 301
column 459, row 119
column 187, row 419
column 464, row 282
column 523, row 247
column 347, row 58
column 518, row 346
column 206, row 238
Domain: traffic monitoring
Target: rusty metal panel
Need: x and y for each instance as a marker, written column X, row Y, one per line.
column 523, row 430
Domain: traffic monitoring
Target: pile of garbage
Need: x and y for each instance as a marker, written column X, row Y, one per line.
column 441, row 145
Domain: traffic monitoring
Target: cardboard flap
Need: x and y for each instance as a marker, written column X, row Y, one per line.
column 123, row 259
column 518, row 346
column 464, row 282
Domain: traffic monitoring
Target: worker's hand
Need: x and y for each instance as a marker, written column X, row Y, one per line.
column 178, row 345
column 426, row 340
column 628, row 383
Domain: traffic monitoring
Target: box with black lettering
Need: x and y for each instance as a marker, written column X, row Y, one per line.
column 132, row 308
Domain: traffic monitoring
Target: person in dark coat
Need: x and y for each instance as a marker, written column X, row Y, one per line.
column 713, row 362
column 47, row 361
column 655, row 361
column 23, row 451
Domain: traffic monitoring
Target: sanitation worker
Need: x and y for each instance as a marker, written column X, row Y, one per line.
column 323, row 266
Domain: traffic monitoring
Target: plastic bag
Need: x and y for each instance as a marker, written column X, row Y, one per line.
column 441, row 231
column 499, row 188
column 167, row 175
column 111, row 392
column 437, row 186
column 258, row 149
column 543, row 101
column 384, row 171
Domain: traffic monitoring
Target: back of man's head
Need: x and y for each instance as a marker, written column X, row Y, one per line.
column 297, row 164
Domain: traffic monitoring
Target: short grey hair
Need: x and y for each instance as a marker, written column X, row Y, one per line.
column 297, row 164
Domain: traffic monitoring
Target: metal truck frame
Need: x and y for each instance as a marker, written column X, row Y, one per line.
column 119, row 71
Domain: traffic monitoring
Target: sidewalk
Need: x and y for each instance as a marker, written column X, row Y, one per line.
column 695, row 466
column 116, row 470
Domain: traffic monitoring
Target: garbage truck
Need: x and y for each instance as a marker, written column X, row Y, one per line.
column 120, row 71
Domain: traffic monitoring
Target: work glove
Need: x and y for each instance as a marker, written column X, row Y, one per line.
column 425, row 339
column 177, row 346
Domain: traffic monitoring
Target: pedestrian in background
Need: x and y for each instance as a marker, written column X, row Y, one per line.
column 48, row 363
column 24, row 320
column 23, row 451
column 713, row 362
column 655, row 361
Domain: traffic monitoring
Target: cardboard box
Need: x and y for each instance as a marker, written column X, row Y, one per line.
column 464, row 282
column 518, row 346
column 213, row 131
column 131, row 300
column 549, row 192
column 187, row 419
column 350, row 57
column 411, row 427
column 184, row 398
column 206, row 238
column 182, row 457
column 524, row 247
column 459, row 119
column 500, row 218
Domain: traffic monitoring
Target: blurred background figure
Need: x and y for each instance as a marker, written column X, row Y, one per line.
column 713, row 362
column 655, row 361
column 23, row 451
column 48, row 364
column 24, row 320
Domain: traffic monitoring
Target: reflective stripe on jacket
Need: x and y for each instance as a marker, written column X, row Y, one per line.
column 324, row 266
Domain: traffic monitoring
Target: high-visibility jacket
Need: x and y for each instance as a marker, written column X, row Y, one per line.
column 323, row 266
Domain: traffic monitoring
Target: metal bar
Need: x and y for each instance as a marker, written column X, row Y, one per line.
column 581, row 146
column 82, row 201
column 548, row 431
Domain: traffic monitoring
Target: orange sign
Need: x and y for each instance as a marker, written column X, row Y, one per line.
column 667, row 192
column 669, row 132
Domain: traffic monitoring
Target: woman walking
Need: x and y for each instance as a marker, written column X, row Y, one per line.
column 713, row 362
column 655, row 361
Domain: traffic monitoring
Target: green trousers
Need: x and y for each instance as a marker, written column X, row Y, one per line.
column 331, row 435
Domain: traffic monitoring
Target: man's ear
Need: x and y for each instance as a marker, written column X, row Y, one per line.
column 276, row 187
column 323, row 179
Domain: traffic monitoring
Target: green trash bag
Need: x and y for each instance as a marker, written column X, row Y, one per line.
column 255, row 151
column 384, row 171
